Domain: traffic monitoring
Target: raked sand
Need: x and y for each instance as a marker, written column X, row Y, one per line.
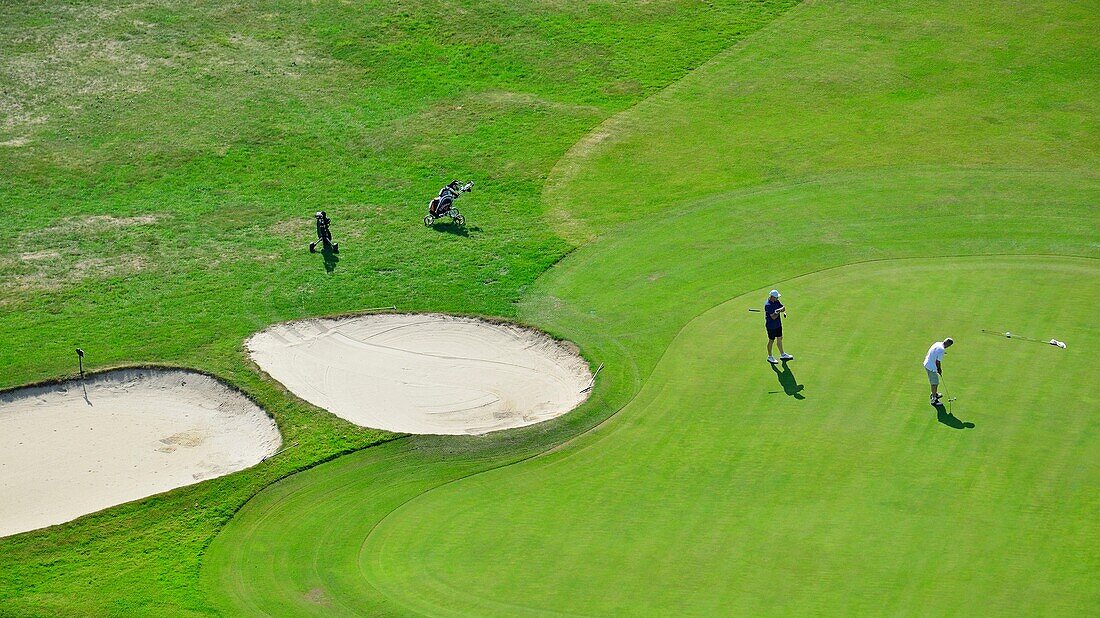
column 428, row 374
column 139, row 432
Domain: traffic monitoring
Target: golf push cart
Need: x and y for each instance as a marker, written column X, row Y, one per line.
column 444, row 205
column 324, row 235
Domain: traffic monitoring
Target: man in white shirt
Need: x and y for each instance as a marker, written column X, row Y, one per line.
column 934, row 368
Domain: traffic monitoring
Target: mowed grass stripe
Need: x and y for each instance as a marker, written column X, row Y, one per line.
column 851, row 86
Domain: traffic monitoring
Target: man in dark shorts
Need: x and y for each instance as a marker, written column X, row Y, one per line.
column 773, row 322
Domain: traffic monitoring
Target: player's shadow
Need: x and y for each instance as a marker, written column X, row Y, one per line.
column 331, row 259
column 787, row 380
column 949, row 419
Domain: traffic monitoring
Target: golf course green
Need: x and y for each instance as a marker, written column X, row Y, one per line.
column 723, row 485
column 723, row 471
column 902, row 171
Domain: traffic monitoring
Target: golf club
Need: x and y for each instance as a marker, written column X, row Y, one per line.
column 944, row 395
column 593, row 381
column 756, row 310
column 285, row 448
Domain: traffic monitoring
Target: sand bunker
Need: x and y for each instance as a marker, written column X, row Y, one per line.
column 137, row 433
column 431, row 374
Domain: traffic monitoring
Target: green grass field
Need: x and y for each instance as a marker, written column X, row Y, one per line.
column 903, row 171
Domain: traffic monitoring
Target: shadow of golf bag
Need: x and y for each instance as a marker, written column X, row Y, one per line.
column 444, row 205
column 324, row 235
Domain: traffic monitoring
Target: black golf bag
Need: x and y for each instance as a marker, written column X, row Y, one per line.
column 444, row 204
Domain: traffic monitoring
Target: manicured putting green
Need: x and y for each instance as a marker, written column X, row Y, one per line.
column 836, row 473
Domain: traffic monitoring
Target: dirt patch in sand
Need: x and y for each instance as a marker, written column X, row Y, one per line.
column 429, row 374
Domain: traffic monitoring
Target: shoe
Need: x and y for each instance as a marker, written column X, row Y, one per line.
column 786, row 357
column 771, row 359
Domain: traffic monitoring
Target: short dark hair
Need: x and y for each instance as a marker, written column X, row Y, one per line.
column 948, row 341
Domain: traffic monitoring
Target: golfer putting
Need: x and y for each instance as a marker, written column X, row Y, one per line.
column 934, row 366
column 773, row 323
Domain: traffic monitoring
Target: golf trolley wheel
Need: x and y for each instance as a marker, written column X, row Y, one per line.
column 313, row 247
column 428, row 220
column 336, row 247
column 459, row 220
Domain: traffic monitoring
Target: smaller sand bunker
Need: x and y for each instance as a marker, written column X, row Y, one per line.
column 66, row 451
column 428, row 374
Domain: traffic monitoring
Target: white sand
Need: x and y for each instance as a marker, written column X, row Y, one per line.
column 429, row 374
column 138, row 433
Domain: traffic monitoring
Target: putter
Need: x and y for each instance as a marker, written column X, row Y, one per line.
column 949, row 398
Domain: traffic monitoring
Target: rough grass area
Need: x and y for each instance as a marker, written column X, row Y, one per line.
column 161, row 164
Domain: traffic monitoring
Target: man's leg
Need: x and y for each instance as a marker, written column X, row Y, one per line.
column 779, row 342
column 770, row 340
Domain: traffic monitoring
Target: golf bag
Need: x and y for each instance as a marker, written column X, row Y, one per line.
column 324, row 235
column 444, row 205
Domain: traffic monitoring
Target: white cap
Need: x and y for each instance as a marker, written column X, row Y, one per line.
column 775, row 293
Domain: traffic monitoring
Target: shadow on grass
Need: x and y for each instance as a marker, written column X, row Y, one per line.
column 949, row 419
column 331, row 259
column 787, row 380
column 457, row 230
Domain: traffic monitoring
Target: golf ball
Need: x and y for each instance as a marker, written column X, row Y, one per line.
column 1009, row 335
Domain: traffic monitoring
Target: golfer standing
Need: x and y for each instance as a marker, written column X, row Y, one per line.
column 773, row 322
column 934, row 367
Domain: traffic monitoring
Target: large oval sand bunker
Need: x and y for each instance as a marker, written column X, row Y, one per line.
column 66, row 451
column 432, row 374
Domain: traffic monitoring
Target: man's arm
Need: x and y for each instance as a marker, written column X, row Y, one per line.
column 939, row 369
